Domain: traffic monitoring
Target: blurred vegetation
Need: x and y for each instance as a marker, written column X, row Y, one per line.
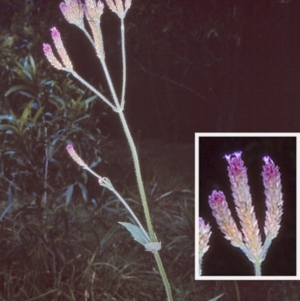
column 42, row 113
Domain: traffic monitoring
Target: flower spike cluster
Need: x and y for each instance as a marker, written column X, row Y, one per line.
column 118, row 7
column 61, row 51
column 249, row 238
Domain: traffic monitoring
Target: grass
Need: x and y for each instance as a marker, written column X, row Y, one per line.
column 80, row 252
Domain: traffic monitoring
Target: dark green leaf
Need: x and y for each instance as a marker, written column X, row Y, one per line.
column 16, row 88
column 83, row 191
column 7, row 127
column 68, row 194
column 25, row 114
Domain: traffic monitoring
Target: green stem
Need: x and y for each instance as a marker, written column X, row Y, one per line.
column 163, row 276
column 111, row 86
column 144, row 202
column 124, row 63
column 138, row 176
column 257, row 268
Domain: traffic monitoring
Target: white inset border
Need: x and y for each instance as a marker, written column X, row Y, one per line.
column 197, row 190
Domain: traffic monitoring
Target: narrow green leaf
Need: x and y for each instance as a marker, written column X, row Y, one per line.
column 9, row 153
column 56, row 100
column 216, row 298
column 89, row 100
column 27, row 94
column 37, row 114
column 83, row 191
column 5, row 211
column 26, row 113
column 51, row 150
column 96, row 162
column 85, row 177
column 8, row 127
column 164, row 195
column 32, row 64
column 16, row 88
column 68, row 194
column 25, row 76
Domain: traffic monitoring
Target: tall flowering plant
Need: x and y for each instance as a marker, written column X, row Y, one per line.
column 249, row 238
column 74, row 12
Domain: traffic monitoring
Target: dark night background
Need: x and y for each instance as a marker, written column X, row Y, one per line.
column 222, row 258
column 192, row 66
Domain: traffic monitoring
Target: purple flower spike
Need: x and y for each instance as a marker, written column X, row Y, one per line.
column 55, row 33
column 236, row 163
column 61, row 49
column 217, row 199
column 50, row 57
column 270, row 171
column 47, row 47
column 238, row 177
column 274, row 202
column 222, row 214
column 74, row 155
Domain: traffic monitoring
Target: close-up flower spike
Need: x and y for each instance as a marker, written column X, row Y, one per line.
column 51, row 57
column 73, row 12
column 61, row 49
column 274, row 197
column 250, row 241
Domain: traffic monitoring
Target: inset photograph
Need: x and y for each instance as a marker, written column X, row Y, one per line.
column 245, row 211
